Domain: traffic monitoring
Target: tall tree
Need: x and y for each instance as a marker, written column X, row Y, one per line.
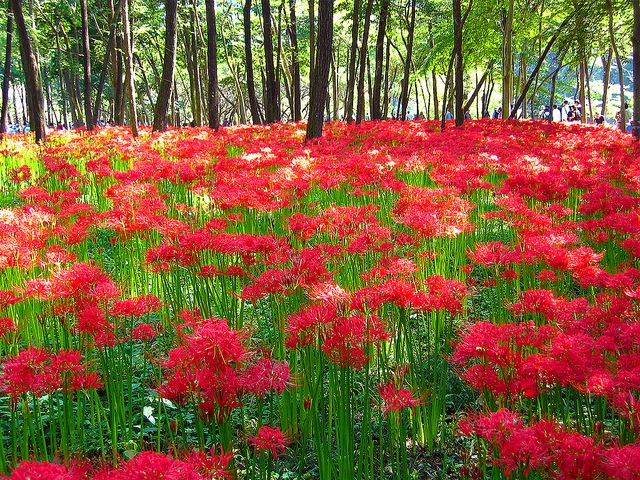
column 213, row 99
column 128, row 61
column 86, row 65
column 271, row 98
column 351, row 67
column 320, row 79
column 636, row 69
column 376, row 107
column 364, row 55
column 35, row 101
column 168, row 66
column 507, row 59
column 404, row 94
column 458, row 67
column 253, row 99
column 7, row 71
column 295, row 63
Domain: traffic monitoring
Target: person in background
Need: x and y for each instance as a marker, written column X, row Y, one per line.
column 565, row 111
column 599, row 120
column 557, row 114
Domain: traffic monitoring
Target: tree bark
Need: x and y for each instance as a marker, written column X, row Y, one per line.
column 312, row 38
column 253, row 99
column 458, row 67
column 376, row 107
column 271, row 97
column 7, row 72
column 86, row 66
column 635, row 40
column 128, row 61
column 168, row 66
column 213, row 98
column 31, row 75
column 351, row 66
column 364, row 54
column 606, row 61
column 320, row 79
column 114, row 16
column 550, row 43
column 623, row 113
column 404, row 95
column 295, row 62
column 507, row 60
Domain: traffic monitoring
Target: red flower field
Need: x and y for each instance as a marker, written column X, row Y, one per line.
column 389, row 301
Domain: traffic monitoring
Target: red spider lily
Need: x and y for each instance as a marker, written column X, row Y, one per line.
column 136, row 307
column 144, row 332
column 37, row 371
column 47, row 471
column 213, row 465
column 267, row 375
column 270, row 439
column 20, row 174
column 6, row 326
column 149, row 465
column 396, row 399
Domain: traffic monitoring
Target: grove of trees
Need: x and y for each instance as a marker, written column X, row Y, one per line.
column 71, row 63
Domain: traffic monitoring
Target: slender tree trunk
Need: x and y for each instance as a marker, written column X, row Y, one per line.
column 128, row 60
column 271, row 97
column 387, row 82
column 364, row 54
column 253, row 99
column 86, row 66
column 536, row 69
column 7, row 72
column 320, row 79
column 114, row 16
column 213, row 100
column 351, row 66
column 295, row 62
column 376, row 107
column 31, row 75
column 507, row 60
column 458, row 68
column 334, row 78
column 636, row 69
column 118, row 82
column 404, row 95
column 161, row 111
column 479, row 85
column 612, row 37
column 312, row 38
column 606, row 61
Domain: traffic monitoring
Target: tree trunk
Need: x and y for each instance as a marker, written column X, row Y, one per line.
column 128, row 61
column 623, row 113
column 635, row 40
column 550, row 43
column 312, row 38
column 458, row 68
column 118, row 84
column 364, row 54
column 295, row 62
column 271, row 97
column 213, row 98
column 86, row 66
column 31, row 75
column 376, row 107
column 351, row 66
column 404, row 95
column 507, row 60
column 7, row 72
column 114, row 16
column 320, row 79
column 473, row 96
column 168, row 66
column 606, row 61
column 253, row 100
